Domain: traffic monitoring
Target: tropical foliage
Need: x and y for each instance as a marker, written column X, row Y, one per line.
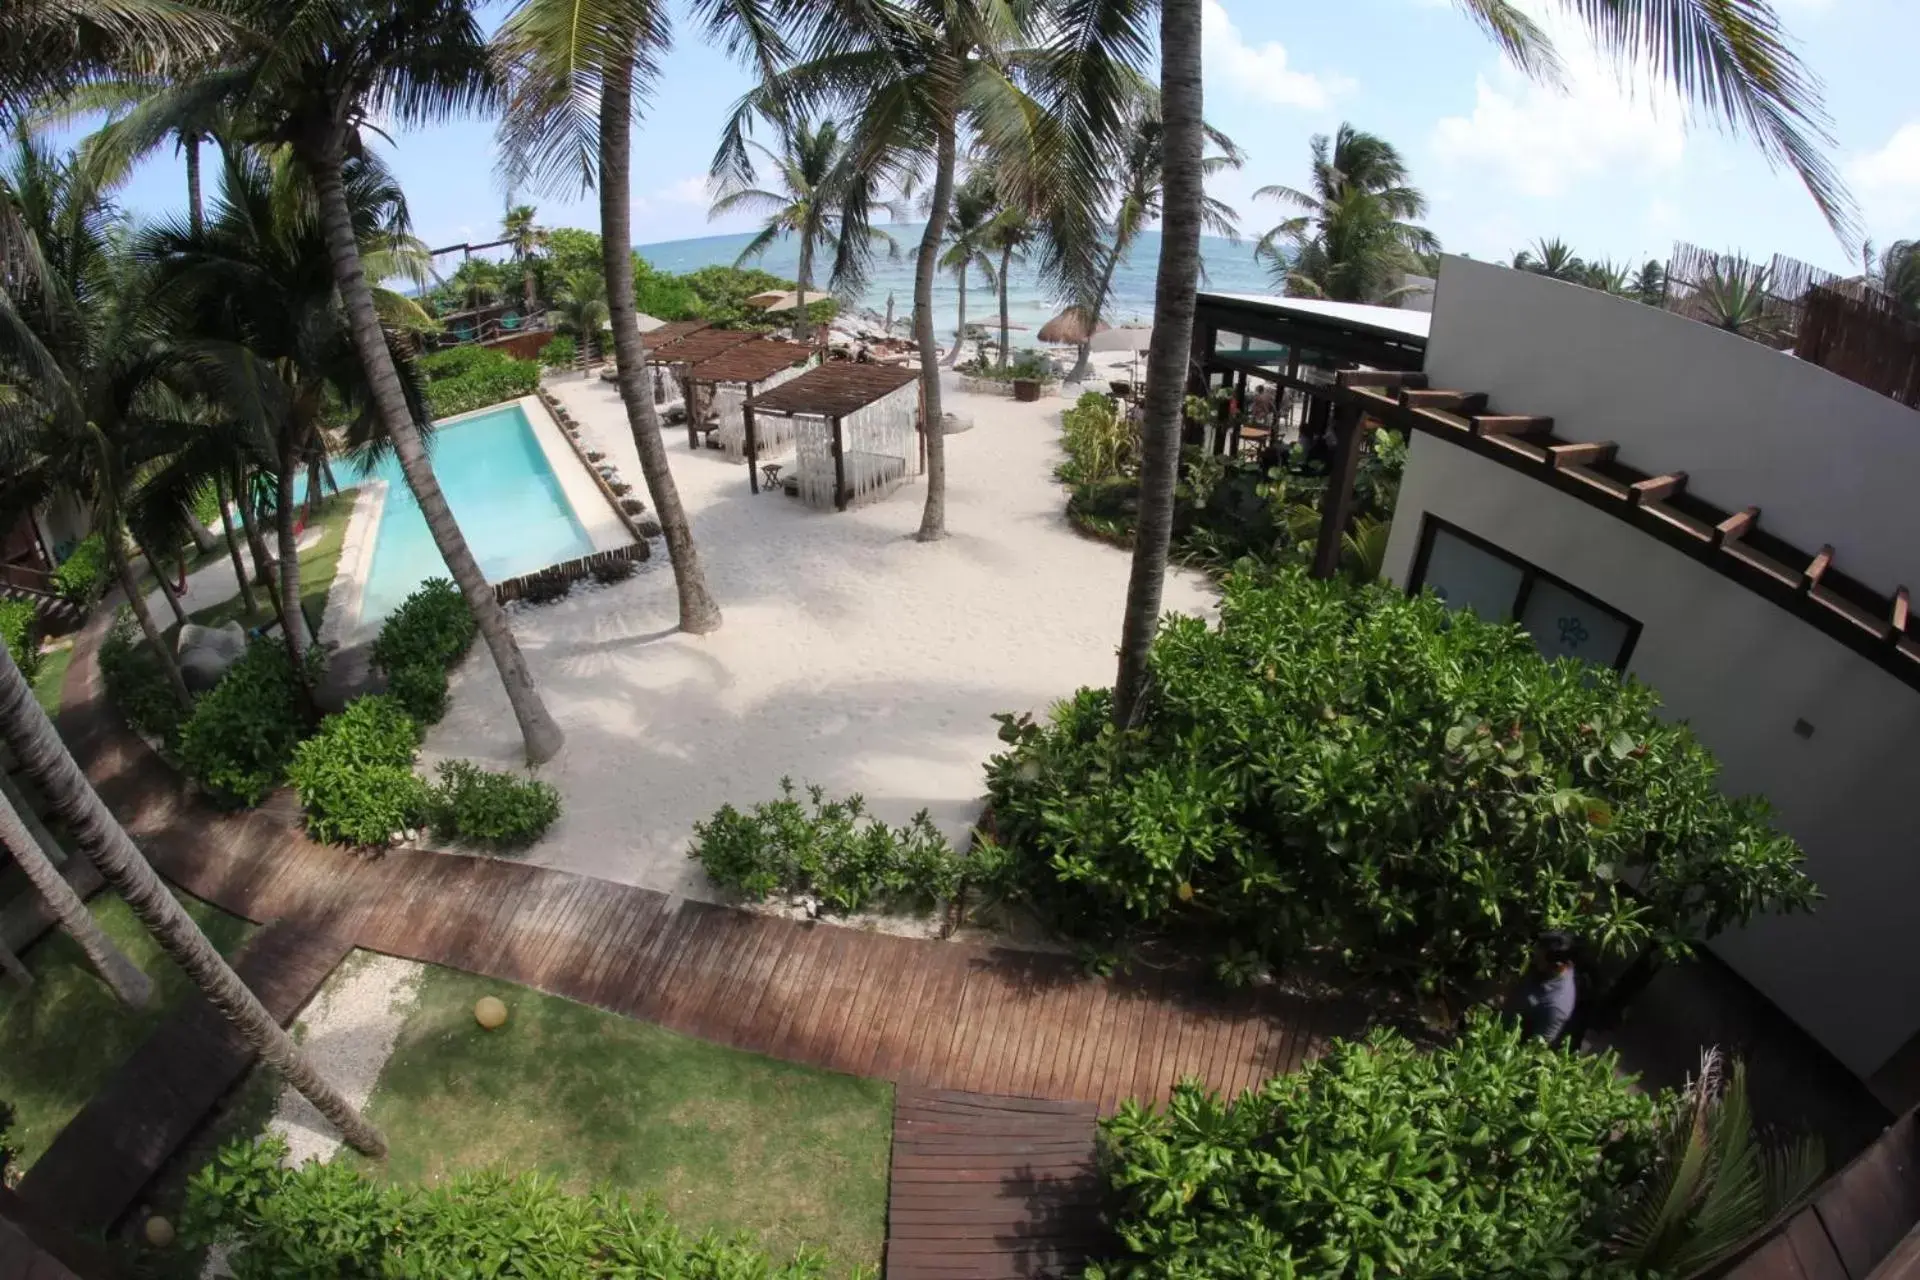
column 476, row 806
column 355, row 776
column 241, row 735
column 20, row 632
column 1354, row 238
column 467, row 378
column 1350, row 774
column 420, row 643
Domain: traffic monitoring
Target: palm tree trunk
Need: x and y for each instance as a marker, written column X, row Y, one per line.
column 960, row 329
column 196, row 210
column 120, row 974
column 800, row 326
column 526, row 283
column 247, row 599
column 137, row 601
column 699, row 613
column 1006, row 265
column 1167, row 356
column 293, row 618
column 101, row 838
column 537, row 729
column 1083, row 366
column 167, row 592
column 933, row 518
column 11, row 966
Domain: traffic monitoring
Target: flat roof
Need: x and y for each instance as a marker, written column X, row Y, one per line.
column 835, row 389
column 1386, row 321
column 751, row 362
column 701, row 344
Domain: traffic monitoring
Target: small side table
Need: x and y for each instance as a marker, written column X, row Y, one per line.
column 771, row 470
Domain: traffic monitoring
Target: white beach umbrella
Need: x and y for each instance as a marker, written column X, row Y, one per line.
column 1129, row 337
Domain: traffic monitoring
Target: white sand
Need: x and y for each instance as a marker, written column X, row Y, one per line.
column 851, row 655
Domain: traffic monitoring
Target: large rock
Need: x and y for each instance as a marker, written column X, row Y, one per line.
column 206, row 653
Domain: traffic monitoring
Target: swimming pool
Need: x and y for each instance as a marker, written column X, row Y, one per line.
column 502, row 491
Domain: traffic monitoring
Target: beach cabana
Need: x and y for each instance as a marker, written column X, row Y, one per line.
column 856, row 431
column 661, row 333
column 682, row 354
column 729, row 379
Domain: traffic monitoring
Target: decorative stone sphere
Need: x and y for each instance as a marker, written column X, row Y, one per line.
column 490, row 1012
column 159, row 1232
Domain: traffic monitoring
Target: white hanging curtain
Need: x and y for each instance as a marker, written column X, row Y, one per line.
column 773, row 435
column 882, row 448
column 813, row 463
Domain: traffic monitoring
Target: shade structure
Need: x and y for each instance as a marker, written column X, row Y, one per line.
column 856, row 430
column 1128, row 337
column 1070, row 326
column 728, row 379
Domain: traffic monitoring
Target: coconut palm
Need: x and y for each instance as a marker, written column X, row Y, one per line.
column 525, row 238
column 1649, row 283
column 1141, row 183
column 43, row 757
column 310, row 75
column 1733, row 61
column 53, row 47
column 969, row 245
column 1896, row 273
column 1011, row 234
column 33, row 849
column 1354, row 239
column 580, row 310
column 573, row 70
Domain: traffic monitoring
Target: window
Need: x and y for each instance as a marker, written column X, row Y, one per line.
column 1471, row 573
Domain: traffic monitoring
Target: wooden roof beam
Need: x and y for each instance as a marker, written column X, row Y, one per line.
column 1510, row 424
column 1735, row 526
column 1583, row 454
column 1817, row 570
column 1657, row 488
column 1387, row 378
column 1465, row 403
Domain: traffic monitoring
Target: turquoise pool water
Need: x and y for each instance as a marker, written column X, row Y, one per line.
column 503, row 493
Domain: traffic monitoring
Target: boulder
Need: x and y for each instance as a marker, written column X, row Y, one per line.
column 206, row 653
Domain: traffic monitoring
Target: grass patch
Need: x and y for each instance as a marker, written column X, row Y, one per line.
column 68, row 1034
column 319, row 564
column 53, row 671
column 726, row 1140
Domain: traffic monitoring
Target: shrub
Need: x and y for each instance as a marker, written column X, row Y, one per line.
column 355, row 776
column 1353, row 772
column 1099, row 441
column 420, row 642
column 136, row 682
column 466, row 378
column 327, row 1220
column 477, row 806
column 782, row 848
column 560, row 352
column 242, row 733
column 1495, row 1156
column 608, row 572
column 19, row 631
column 83, row 576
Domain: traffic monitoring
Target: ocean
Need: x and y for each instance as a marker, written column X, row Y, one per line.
column 1229, row 268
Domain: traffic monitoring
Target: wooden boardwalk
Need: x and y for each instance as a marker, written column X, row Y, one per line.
column 98, row 1165
column 991, row 1188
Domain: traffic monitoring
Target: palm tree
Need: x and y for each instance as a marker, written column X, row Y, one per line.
column 525, row 239
column 1649, row 283
column 43, row 757
column 819, row 198
column 969, row 245
column 1142, row 184
column 33, row 849
column 55, row 46
column 1731, row 60
column 1013, row 230
column 580, row 310
column 1183, row 213
column 1896, row 273
column 1354, row 239
column 571, row 68
column 1553, row 258
column 313, row 73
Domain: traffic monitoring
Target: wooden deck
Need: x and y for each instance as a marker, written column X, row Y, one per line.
column 991, row 1188
column 98, row 1165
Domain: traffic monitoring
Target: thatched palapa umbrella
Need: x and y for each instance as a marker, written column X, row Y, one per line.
column 1069, row 327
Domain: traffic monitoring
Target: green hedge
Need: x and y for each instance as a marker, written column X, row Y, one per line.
column 1496, row 1156
column 242, row 733
column 83, row 576
column 20, row 632
column 355, row 776
column 1413, row 792
column 468, row 378
column 422, row 641
column 324, row 1221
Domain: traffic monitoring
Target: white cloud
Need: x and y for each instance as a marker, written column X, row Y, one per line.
column 1887, row 181
column 685, row 191
column 1260, row 71
column 1538, row 141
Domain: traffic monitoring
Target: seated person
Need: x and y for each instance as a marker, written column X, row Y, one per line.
column 1543, row 1001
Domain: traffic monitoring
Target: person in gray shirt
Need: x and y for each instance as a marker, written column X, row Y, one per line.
column 1543, row 1002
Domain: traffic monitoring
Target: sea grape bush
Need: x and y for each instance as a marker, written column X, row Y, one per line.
column 322, row 1221
column 242, row 733
column 832, row 849
column 1347, row 771
column 422, row 641
column 499, row 810
column 355, row 776
column 1494, row 1156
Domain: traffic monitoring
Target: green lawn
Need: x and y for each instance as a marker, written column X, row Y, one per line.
column 319, row 564
column 64, row 1037
column 53, row 670
column 726, row 1140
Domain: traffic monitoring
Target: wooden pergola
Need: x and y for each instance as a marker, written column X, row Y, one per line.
column 833, row 393
column 745, row 365
column 690, row 348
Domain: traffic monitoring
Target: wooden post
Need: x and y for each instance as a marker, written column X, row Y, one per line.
column 839, row 469
column 1336, row 510
column 688, row 394
column 753, row 442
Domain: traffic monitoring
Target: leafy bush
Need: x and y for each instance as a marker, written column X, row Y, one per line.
column 136, row 682
column 560, row 352
column 83, row 576
column 355, row 776
column 1348, row 771
column 476, row 806
column 319, row 1221
column 242, row 733
column 1494, row 1156
column 1099, row 441
column 467, row 378
column 19, row 631
column 782, row 848
column 420, row 642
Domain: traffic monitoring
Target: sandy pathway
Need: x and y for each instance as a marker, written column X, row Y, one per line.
column 851, row 656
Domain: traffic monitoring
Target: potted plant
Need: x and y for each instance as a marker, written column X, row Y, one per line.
column 1030, row 372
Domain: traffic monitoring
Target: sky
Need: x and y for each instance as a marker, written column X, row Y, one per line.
column 1612, row 165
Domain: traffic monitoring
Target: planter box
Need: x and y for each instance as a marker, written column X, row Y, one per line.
column 1026, row 390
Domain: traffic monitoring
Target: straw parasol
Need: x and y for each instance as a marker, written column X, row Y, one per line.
column 1128, row 337
column 1070, row 326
